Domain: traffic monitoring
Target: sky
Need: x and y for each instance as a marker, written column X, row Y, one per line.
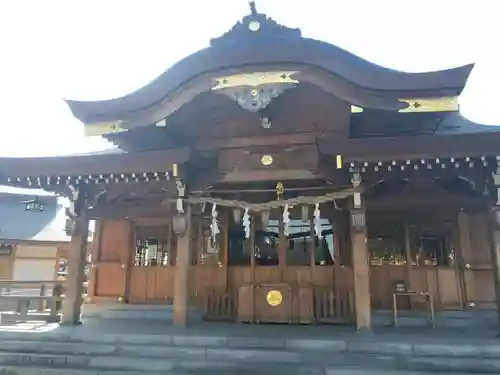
column 100, row 49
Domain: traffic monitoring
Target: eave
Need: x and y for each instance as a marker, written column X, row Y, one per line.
column 412, row 148
column 69, row 170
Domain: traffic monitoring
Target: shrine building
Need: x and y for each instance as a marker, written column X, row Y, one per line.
column 273, row 178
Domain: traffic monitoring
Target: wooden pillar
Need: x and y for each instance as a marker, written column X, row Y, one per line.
column 95, row 248
column 465, row 257
column 407, row 254
column 361, row 268
column 251, row 250
column 464, row 237
column 495, row 255
column 225, row 247
column 182, row 268
column 495, row 239
column 77, row 257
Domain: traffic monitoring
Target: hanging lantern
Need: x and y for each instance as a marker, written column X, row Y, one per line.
column 34, row 205
column 286, row 220
column 317, row 221
column 179, row 224
column 265, row 215
column 237, row 215
column 246, row 223
column 304, row 213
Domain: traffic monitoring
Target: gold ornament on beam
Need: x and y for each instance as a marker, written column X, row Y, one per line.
column 255, row 79
column 254, row 26
column 280, row 190
column 266, row 160
column 102, row 128
column 445, row 104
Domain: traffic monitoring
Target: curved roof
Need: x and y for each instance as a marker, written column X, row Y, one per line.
column 273, row 44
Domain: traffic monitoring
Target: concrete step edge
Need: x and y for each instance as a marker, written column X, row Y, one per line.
column 218, row 364
column 25, row 370
column 372, row 346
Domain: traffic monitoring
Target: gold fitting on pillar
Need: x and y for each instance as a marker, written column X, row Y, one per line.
column 339, row 162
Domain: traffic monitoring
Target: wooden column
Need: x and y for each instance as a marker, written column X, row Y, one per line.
column 495, row 255
column 407, row 254
column 182, row 268
column 465, row 257
column 77, row 257
column 495, row 239
column 251, row 250
column 96, row 246
column 361, row 269
column 225, row 247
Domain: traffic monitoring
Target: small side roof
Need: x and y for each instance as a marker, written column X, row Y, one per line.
column 17, row 224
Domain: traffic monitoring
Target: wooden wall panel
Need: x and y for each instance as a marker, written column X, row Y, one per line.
column 205, row 277
column 297, row 275
column 138, row 282
column 112, row 253
column 484, row 289
column 480, row 240
column 478, row 269
column 321, row 276
column 239, row 276
column 152, row 284
column 449, row 294
column 267, row 275
column 382, row 284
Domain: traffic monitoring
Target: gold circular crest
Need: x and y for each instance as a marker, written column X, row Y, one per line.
column 266, row 160
column 254, row 26
column 274, row 297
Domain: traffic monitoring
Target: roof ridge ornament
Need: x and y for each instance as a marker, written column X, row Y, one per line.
column 256, row 27
column 253, row 8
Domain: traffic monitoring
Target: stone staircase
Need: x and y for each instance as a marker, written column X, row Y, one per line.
column 87, row 353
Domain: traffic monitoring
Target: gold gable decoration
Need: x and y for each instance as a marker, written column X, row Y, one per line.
column 444, row 104
column 102, row 128
column 254, row 79
column 255, row 91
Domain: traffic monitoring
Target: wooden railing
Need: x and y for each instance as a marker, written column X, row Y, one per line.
column 220, row 305
column 23, row 296
column 332, row 306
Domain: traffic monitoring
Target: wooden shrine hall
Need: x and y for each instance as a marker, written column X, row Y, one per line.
column 273, row 178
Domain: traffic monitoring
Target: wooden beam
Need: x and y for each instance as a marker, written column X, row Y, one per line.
column 259, row 141
column 141, row 209
column 412, row 148
column 422, row 202
column 151, row 161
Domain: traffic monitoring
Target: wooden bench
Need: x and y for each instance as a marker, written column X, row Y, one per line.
column 22, row 311
column 12, row 293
